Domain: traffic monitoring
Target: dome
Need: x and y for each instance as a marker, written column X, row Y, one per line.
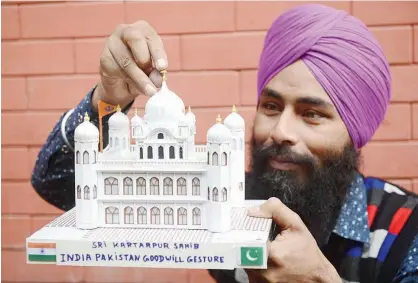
column 86, row 131
column 136, row 120
column 164, row 106
column 234, row 121
column 118, row 120
column 219, row 133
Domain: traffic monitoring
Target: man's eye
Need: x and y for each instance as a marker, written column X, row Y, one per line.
column 312, row 114
column 270, row 106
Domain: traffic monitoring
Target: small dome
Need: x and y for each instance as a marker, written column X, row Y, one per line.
column 86, row 131
column 164, row 106
column 234, row 121
column 136, row 120
column 190, row 117
column 118, row 120
column 219, row 133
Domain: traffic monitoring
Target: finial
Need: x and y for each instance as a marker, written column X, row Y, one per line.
column 86, row 117
column 164, row 74
column 218, row 119
column 190, row 109
column 118, row 108
column 233, row 108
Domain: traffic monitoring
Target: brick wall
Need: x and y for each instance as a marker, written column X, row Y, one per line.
column 50, row 55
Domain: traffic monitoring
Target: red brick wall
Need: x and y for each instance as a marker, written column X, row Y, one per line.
column 50, row 56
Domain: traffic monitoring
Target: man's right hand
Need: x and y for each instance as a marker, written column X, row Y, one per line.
column 130, row 64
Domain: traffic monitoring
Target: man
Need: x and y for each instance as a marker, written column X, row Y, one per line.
column 323, row 89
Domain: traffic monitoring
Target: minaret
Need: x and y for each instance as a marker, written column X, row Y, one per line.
column 191, row 143
column 119, row 132
column 236, row 125
column 86, row 144
column 219, row 190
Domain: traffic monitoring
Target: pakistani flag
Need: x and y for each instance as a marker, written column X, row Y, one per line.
column 251, row 256
column 41, row 252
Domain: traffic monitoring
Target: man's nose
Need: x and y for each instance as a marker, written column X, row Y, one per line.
column 285, row 129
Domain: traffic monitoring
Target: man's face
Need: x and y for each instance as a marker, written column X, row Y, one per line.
column 301, row 150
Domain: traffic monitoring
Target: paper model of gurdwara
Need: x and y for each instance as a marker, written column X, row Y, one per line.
column 152, row 174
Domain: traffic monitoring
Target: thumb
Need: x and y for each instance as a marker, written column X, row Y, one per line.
column 280, row 213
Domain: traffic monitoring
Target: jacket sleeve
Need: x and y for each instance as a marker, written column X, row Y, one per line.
column 408, row 273
column 53, row 173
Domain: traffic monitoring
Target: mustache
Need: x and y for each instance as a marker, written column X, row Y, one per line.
column 284, row 153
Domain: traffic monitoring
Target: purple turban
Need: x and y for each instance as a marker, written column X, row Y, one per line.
column 344, row 57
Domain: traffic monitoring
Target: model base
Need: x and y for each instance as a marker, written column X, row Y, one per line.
column 61, row 243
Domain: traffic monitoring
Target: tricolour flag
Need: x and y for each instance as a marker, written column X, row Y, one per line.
column 42, row 252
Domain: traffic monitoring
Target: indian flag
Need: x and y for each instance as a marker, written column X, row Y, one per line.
column 41, row 252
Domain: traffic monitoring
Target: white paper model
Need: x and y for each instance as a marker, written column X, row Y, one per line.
column 163, row 179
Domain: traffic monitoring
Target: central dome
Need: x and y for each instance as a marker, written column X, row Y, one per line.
column 164, row 106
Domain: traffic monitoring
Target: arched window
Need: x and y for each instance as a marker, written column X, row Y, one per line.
column 196, row 186
column 182, row 216
column 94, row 156
column 160, row 152
column 240, row 186
column 224, row 194
column 128, row 186
column 149, row 152
column 234, row 144
column 224, row 159
column 154, row 186
column 241, row 143
column 77, row 157
column 86, row 192
column 86, row 157
column 215, row 194
column 112, row 215
column 116, row 142
column 111, row 186
column 78, row 192
column 129, row 215
column 155, row 215
column 141, row 153
column 140, row 186
column 208, row 193
column 171, row 152
column 168, row 216
column 142, row 215
column 111, row 141
column 196, row 216
column 181, row 187
column 94, row 192
column 168, row 186
column 160, row 136
column 123, row 143
column 181, row 152
column 208, row 158
column 215, row 159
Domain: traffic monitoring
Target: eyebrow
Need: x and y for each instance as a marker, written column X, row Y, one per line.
column 315, row 101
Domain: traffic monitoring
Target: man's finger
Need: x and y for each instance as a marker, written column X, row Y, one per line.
column 155, row 46
column 132, row 36
column 280, row 213
column 126, row 62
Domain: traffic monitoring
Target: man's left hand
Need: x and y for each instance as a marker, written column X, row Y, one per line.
column 293, row 256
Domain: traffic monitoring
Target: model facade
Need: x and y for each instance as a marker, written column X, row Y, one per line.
column 153, row 175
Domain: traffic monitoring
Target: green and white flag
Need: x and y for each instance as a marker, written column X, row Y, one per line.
column 41, row 252
column 251, row 256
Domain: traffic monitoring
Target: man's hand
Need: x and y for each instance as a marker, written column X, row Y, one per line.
column 130, row 63
column 293, row 256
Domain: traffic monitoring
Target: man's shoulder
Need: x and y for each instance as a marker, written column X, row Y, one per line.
column 378, row 184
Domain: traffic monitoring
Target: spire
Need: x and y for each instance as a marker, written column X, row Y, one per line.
column 86, row 117
column 218, row 119
column 118, row 108
column 164, row 74
column 233, row 108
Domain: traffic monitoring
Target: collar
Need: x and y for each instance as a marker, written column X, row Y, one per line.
column 352, row 223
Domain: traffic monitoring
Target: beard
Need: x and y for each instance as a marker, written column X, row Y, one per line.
column 317, row 196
